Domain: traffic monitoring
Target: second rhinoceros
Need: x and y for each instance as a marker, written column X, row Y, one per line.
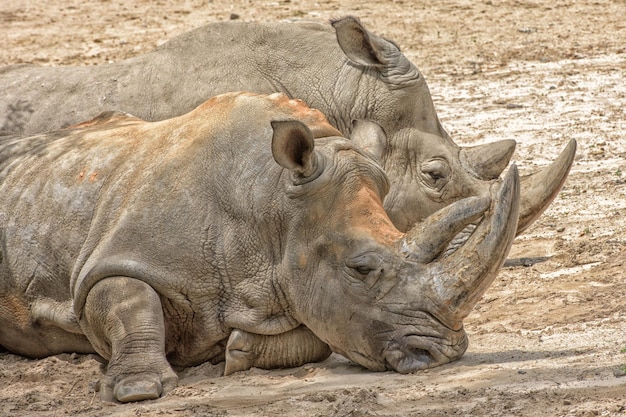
column 350, row 74
column 154, row 243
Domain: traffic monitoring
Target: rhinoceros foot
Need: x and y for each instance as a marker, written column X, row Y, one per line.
column 137, row 388
column 239, row 352
column 123, row 319
column 285, row 350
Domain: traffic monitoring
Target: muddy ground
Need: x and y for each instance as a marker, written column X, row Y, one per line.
column 548, row 338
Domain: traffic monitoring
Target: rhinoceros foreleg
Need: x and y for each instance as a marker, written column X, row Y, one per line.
column 285, row 350
column 123, row 319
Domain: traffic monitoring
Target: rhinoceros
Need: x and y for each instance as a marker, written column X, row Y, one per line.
column 169, row 243
column 350, row 75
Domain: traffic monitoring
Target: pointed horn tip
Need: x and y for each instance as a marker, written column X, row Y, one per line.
column 511, row 181
column 511, row 144
column 571, row 147
column 513, row 173
column 510, row 189
column 566, row 157
column 541, row 187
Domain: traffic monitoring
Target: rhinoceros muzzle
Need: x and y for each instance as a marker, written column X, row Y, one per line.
column 415, row 352
column 454, row 281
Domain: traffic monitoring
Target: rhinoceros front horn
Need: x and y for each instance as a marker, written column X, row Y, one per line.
column 461, row 278
column 540, row 188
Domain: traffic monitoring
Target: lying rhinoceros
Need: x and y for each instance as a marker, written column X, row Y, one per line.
column 152, row 243
column 349, row 75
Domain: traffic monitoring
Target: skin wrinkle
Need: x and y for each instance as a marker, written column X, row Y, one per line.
column 398, row 71
column 417, row 313
column 358, row 110
column 438, row 347
column 447, row 347
column 276, row 311
column 221, row 298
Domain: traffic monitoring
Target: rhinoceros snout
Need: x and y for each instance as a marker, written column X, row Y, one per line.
column 416, row 352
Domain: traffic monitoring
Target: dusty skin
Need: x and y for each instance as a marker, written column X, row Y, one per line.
column 548, row 338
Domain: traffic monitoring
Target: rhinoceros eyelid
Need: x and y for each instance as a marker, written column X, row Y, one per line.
column 436, row 165
column 365, row 263
column 435, row 173
column 363, row 270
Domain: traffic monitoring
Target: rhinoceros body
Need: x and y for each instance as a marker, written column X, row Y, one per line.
column 349, row 74
column 174, row 242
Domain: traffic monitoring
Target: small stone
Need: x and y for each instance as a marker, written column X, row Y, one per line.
column 234, row 16
column 94, row 386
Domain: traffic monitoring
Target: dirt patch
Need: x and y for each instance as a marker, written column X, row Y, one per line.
column 548, row 338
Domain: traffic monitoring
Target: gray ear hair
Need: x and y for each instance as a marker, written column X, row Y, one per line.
column 292, row 146
column 367, row 49
column 370, row 137
column 357, row 43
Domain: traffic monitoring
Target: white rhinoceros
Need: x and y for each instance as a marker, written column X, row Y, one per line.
column 350, row 74
column 152, row 243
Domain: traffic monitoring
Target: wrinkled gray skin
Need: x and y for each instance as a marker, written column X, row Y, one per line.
column 153, row 243
column 350, row 74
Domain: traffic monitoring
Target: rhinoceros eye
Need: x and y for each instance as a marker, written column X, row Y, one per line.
column 435, row 173
column 363, row 270
column 364, row 264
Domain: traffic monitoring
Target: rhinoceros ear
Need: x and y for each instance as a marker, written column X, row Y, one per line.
column 292, row 146
column 356, row 42
column 369, row 136
column 367, row 49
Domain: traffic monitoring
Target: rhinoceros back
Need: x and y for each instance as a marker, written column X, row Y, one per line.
column 175, row 78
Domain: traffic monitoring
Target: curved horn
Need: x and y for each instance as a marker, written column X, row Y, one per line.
column 489, row 160
column 428, row 239
column 540, row 188
column 461, row 278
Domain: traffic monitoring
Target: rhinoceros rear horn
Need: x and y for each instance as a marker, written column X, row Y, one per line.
column 292, row 146
column 540, row 188
column 461, row 278
column 489, row 160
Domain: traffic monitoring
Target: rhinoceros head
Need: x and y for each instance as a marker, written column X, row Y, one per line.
column 426, row 168
column 383, row 298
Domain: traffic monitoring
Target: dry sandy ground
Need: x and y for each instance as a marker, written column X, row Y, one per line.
column 548, row 339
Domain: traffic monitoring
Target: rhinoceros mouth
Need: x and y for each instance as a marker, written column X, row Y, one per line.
column 416, row 352
column 363, row 360
column 410, row 353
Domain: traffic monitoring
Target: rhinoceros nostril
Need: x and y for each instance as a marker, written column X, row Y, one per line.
column 409, row 355
column 421, row 356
